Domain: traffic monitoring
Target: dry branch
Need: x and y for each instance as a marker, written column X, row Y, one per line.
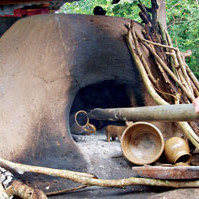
column 20, row 168
column 174, row 63
column 144, row 11
column 66, row 190
column 184, row 72
column 158, row 44
column 192, row 76
column 107, row 183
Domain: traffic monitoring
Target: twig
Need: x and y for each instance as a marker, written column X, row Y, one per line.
column 188, row 85
column 173, row 55
column 182, row 79
column 190, row 73
column 157, row 44
column 66, row 190
column 188, row 53
column 192, row 76
column 143, row 9
column 144, row 18
column 175, row 21
column 195, row 89
column 176, row 65
column 167, row 80
column 15, row 187
column 175, row 97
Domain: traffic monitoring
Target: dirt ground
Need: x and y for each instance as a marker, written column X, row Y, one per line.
column 107, row 162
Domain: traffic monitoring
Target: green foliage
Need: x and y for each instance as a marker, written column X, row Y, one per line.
column 183, row 27
column 126, row 8
column 182, row 20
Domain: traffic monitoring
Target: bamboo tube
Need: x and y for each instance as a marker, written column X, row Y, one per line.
column 179, row 112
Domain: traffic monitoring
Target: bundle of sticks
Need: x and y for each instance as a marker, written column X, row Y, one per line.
column 170, row 81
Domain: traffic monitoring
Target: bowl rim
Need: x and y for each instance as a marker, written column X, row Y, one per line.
column 159, row 133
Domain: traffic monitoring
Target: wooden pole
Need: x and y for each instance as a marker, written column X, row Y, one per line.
column 180, row 112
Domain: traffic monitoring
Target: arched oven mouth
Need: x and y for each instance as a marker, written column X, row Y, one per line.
column 105, row 94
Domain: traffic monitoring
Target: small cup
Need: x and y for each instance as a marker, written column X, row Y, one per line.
column 177, row 150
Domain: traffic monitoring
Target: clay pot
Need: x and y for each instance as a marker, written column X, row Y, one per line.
column 177, row 150
column 80, row 125
column 142, row 143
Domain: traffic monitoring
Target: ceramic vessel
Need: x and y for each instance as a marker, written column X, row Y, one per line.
column 142, row 143
column 81, row 118
column 177, row 150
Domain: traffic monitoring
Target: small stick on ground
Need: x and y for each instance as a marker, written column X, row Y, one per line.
column 66, row 190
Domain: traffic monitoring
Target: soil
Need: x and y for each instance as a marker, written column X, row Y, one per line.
column 107, row 162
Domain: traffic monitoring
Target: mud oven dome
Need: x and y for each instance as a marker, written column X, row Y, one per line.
column 52, row 66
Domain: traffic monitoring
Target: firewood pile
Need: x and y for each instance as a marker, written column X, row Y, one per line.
column 170, row 81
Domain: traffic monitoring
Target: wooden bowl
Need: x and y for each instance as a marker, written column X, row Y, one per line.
column 142, row 143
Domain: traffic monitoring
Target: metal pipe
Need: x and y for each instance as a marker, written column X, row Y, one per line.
column 180, row 112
